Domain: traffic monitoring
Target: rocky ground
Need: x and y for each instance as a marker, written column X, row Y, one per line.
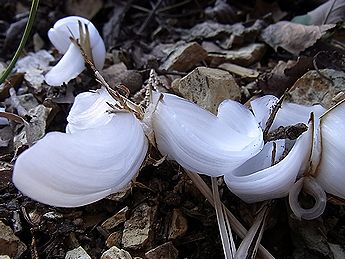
column 205, row 51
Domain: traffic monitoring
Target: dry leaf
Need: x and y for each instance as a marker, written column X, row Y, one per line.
column 331, row 12
column 293, row 37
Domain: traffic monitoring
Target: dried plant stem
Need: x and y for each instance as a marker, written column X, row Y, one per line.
column 32, row 15
column 236, row 225
column 250, row 243
column 229, row 247
column 272, row 116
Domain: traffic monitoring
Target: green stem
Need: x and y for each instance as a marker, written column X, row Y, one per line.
column 33, row 10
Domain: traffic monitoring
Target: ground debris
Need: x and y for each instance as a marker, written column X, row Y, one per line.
column 163, row 214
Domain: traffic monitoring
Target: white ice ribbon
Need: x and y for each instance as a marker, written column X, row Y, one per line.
column 97, row 158
column 72, row 63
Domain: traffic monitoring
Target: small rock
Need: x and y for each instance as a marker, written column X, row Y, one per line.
column 77, row 253
column 118, row 74
column 165, row 251
column 312, row 88
column 116, row 253
column 116, row 219
column 244, row 56
column 10, row 244
column 208, row 87
column 184, row 57
column 114, row 239
column 137, row 231
column 178, row 225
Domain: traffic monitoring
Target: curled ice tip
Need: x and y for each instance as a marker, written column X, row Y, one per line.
column 311, row 187
column 72, row 63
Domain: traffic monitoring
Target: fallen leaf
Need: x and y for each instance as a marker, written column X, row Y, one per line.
column 293, row 37
column 331, row 12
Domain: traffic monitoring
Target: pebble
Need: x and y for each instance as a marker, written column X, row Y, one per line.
column 137, row 232
column 116, row 253
column 184, row 57
column 207, row 87
column 77, row 253
column 314, row 88
column 165, row 251
column 10, row 244
column 116, row 219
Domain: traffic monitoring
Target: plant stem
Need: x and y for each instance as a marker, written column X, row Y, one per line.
column 33, row 10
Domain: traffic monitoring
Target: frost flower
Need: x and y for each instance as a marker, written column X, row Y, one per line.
column 270, row 174
column 202, row 142
column 99, row 155
column 72, row 63
column 316, row 157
